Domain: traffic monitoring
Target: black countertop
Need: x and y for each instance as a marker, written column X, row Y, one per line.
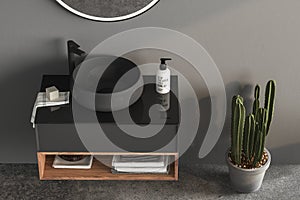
column 139, row 111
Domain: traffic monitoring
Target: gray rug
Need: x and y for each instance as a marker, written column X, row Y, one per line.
column 20, row 181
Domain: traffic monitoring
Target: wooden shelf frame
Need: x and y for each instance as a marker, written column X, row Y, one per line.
column 99, row 171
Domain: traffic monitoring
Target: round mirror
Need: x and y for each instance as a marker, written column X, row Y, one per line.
column 107, row 10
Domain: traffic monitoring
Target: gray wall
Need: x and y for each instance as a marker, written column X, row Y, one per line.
column 250, row 41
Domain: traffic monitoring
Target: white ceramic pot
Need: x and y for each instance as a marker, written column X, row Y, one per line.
column 247, row 180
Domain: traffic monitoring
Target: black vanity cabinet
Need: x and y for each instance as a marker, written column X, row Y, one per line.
column 56, row 134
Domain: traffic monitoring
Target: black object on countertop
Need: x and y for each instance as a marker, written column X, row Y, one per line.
column 75, row 55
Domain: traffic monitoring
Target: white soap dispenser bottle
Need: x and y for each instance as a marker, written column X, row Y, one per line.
column 163, row 77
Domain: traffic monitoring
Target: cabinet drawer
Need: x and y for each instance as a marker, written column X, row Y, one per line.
column 64, row 138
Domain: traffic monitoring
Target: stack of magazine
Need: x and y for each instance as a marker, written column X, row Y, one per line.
column 140, row 164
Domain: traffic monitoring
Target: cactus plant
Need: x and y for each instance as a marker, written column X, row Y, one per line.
column 248, row 133
column 238, row 121
column 256, row 102
column 249, row 136
column 260, row 135
column 269, row 102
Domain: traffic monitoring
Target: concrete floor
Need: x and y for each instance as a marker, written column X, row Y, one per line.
column 20, row 181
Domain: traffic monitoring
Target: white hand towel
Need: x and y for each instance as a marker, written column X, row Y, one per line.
column 43, row 101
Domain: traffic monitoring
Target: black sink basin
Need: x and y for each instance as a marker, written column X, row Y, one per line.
column 107, row 83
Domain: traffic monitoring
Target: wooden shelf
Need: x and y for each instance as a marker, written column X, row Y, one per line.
column 99, row 171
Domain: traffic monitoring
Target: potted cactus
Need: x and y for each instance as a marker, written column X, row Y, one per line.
column 248, row 159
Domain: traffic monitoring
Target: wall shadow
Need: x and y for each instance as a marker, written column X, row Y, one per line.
column 20, row 87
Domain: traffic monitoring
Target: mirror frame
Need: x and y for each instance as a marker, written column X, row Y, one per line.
column 108, row 19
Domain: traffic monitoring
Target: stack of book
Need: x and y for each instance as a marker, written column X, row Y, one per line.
column 140, row 164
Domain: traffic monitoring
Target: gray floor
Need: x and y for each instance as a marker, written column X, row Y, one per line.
column 204, row 182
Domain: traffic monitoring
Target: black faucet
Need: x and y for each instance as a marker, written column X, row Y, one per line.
column 73, row 53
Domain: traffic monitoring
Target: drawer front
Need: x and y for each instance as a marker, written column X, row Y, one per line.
column 58, row 138
column 64, row 138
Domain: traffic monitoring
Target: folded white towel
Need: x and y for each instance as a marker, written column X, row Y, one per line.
column 43, row 101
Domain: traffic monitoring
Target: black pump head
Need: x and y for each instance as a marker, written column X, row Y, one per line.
column 163, row 60
column 163, row 65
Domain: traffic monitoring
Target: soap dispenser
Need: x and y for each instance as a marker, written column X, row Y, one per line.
column 163, row 77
